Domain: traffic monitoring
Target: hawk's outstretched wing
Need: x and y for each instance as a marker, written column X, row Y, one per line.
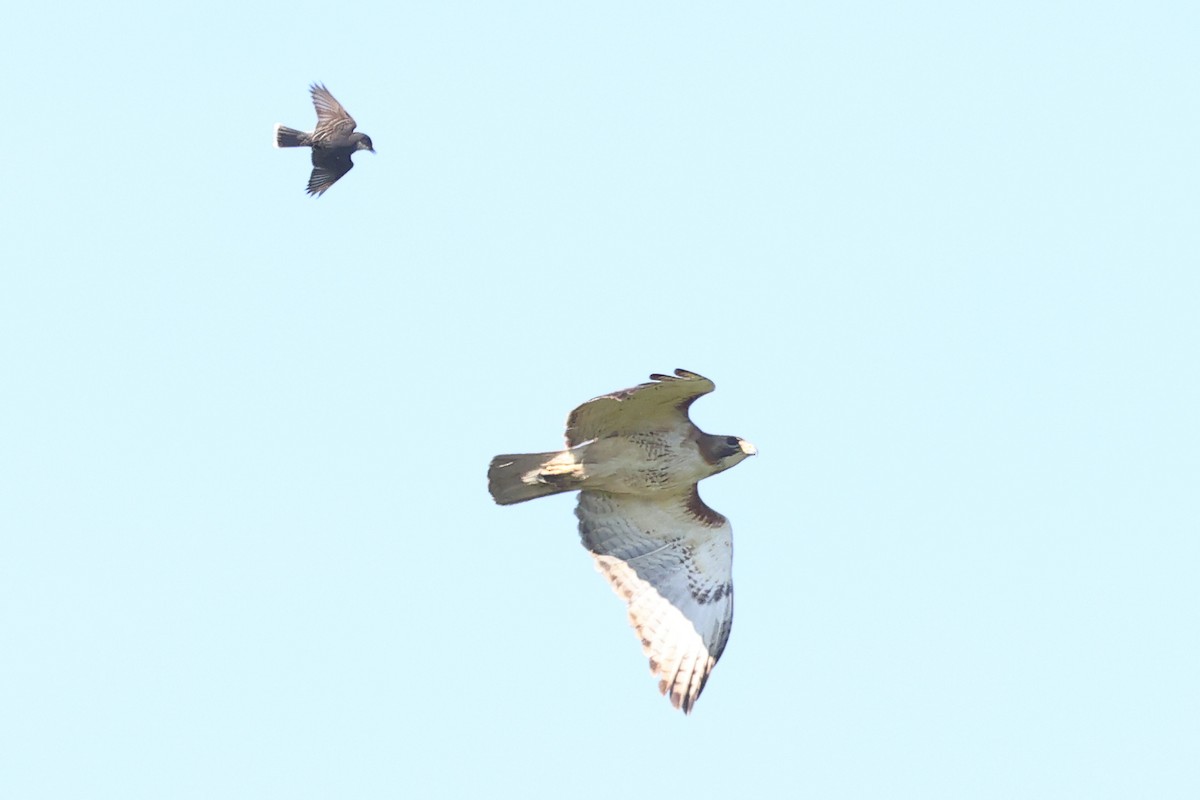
column 664, row 401
column 671, row 560
column 333, row 122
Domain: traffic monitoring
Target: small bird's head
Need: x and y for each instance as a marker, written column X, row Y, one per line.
column 364, row 143
column 724, row 452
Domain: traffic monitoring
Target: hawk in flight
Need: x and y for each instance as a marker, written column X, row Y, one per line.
column 635, row 457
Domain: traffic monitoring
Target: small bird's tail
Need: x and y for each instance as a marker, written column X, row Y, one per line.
column 515, row 478
column 290, row 137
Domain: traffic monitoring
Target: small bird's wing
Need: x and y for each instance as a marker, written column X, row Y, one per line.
column 663, row 401
column 333, row 122
column 671, row 560
column 328, row 167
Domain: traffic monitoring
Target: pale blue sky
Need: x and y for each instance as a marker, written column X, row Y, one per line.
column 940, row 259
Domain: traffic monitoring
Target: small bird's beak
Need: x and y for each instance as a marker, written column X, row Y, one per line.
column 372, row 149
column 747, row 448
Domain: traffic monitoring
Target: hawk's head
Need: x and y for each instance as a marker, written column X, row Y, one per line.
column 724, row 451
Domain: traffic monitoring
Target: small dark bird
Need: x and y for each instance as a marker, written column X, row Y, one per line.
column 332, row 142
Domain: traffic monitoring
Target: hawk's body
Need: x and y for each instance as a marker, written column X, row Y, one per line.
column 638, row 463
column 636, row 458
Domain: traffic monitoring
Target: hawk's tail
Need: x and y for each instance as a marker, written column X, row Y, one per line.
column 517, row 477
column 290, row 137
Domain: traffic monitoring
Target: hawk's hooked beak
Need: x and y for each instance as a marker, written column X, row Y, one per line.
column 747, row 448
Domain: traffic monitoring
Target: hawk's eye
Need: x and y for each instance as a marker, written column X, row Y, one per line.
column 732, row 441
